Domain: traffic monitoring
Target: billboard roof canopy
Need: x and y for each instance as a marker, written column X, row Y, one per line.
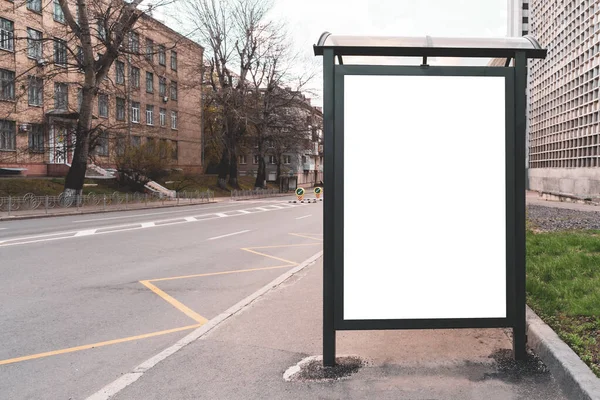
column 428, row 46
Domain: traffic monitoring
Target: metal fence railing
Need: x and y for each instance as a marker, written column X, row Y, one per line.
column 31, row 202
column 254, row 194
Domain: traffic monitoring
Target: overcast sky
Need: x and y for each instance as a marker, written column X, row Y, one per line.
column 307, row 19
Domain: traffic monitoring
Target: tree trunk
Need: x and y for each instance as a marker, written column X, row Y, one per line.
column 278, row 177
column 223, row 170
column 261, row 175
column 233, row 173
column 76, row 175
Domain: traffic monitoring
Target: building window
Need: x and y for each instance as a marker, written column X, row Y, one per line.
column 120, row 109
column 162, row 117
column 134, row 39
column 173, row 119
column 34, row 5
column 6, row 34
column 120, row 145
column 7, row 84
column 271, row 159
column 61, row 96
column 60, row 52
column 36, row 138
column 102, row 144
column 149, row 82
column 135, row 111
column 162, row 55
column 173, row 90
column 174, row 150
column 120, row 72
column 80, row 58
column 149, row 50
column 79, row 98
column 135, row 77
column 101, row 29
column 173, row 60
column 162, row 86
column 287, row 159
column 36, row 91
column 58, row 12
column 256, row 159
column 135, row 141
column 149, row 114
column 242, row 159
column 34, row 44
column 103, row 105
column 7, row 135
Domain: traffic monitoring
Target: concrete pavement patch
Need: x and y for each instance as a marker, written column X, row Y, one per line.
column 575, row 378
column 127, row 379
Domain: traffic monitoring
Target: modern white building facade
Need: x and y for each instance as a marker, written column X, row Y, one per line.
column 564, row 138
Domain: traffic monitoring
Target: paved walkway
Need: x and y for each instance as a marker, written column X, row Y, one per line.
column 246, row 356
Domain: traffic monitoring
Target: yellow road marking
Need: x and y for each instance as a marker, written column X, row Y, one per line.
column 269, row 256
column 180, row 306
column 304, row 235
column 100, row 344
column 175, row 303
column 217, row 273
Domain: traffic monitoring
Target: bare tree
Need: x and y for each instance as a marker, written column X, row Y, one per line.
column 232, row 30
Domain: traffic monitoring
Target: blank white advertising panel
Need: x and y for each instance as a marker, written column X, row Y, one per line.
column 424, row 197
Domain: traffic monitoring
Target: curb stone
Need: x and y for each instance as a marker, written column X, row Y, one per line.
column 128, row 378
column 572, row 374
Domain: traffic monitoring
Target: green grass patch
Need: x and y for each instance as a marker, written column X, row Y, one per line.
column 191, row 183
column 563, row 287
column 55, row 186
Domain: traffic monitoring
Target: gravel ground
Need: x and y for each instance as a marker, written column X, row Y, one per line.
column 556, row 219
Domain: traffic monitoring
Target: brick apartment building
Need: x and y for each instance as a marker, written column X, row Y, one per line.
column 302, row 167
column 151, row 93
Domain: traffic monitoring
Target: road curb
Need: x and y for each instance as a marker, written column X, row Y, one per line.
column 127, row 379
column 67, row 214
column 573, row 375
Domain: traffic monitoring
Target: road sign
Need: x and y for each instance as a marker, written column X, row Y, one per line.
column 300, row 193
column 318, row 192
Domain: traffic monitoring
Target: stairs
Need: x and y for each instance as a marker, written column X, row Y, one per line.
column 96, row 172
column 163, row 191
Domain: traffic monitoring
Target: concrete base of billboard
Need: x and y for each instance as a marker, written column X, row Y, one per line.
column 567, row 368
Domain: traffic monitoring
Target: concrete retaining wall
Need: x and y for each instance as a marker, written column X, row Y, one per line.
column 582, row 182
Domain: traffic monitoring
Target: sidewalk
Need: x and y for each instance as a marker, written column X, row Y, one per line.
column 246, row 356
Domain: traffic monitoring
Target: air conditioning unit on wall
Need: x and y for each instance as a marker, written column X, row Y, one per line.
column 24, row 127
column 165, row 99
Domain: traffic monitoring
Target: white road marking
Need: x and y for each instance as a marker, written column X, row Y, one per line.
column 1, row 229
column 86, row 233
column 306, row 216
column 147, row 214
column 229, row 234
column 130, row 227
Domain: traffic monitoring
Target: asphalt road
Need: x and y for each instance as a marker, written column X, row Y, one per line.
column 86, row 298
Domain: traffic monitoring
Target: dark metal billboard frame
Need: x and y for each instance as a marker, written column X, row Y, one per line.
column 333, row 219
